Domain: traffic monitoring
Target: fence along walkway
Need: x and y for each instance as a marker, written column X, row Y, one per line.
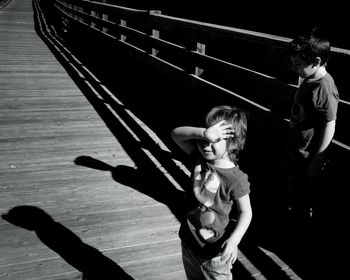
column 188, row 48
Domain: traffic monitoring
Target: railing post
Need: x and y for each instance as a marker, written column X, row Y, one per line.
column 81, row 9
column 155, row 33
column 122, row 23
column 200, row 49
column 93, row 13
column 104, row 17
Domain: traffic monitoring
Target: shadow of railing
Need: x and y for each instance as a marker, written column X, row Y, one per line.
column 123, row 102
column 85, row 258
column 146, row 178
column 3, row 3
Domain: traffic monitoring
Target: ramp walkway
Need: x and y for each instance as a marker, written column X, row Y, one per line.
column 87, row 189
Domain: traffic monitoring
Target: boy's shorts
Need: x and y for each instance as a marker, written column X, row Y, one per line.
column 197, row 267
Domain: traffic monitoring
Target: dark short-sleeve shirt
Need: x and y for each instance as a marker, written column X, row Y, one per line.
column 315, row 103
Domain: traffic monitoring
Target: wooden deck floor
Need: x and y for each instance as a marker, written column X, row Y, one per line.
column 48, row 133
column 81, row 198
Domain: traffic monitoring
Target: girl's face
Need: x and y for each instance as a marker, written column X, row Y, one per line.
column 302, row 68
column 213, row 151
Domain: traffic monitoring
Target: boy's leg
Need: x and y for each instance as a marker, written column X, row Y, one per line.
column 199, row 268
column 217, row 269
column 299, row 190
column 300, row 197
column 191, row 265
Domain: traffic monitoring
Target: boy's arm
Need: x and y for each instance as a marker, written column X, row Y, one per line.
column 244, row 218
column 184, row 135
column 326, row 136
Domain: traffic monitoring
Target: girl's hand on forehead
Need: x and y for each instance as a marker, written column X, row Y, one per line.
column 218, row 132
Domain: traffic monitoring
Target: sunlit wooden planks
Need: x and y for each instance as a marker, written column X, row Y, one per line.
column 46, row 123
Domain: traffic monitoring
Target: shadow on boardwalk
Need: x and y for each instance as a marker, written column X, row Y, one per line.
column 91, row 262
column 120, row 85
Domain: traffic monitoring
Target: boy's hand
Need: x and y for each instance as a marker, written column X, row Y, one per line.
column 229, row 251
column 218, row 132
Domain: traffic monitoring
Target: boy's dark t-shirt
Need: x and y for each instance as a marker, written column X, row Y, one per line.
column 315, row 103
column 209, row 205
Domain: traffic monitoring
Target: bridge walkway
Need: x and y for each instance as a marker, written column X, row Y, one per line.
column 88, row 190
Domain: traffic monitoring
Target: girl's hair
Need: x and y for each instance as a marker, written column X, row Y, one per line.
column 309, row 46
column 238, row 119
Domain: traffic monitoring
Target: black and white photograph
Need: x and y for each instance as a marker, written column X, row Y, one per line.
column 174, row 140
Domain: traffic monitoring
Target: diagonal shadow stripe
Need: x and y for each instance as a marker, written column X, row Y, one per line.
column 85, row 258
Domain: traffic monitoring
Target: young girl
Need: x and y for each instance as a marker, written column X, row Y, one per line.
column 209, row 236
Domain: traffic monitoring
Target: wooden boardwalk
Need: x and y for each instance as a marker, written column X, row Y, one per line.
column 83, row 194
column 49, row 132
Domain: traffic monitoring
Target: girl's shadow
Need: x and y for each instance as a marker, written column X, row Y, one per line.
column 90, row 261
column 147, row 180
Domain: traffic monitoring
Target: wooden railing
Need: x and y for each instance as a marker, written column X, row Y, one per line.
column 248, row 67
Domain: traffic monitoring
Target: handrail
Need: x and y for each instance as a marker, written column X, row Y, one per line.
column 241, row 56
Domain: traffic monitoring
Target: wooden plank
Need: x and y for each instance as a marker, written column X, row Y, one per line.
column 46, row 123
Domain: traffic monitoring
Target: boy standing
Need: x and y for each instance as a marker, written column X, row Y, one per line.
column 312, row 120
column 209, row 237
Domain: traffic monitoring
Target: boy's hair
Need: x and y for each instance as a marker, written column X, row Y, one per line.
column 308, row 46
column 238, row 119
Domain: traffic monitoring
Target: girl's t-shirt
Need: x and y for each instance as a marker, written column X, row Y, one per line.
column 214, row 191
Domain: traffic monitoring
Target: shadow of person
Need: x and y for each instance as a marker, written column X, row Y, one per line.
column 91, row 262
column 147, row 180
